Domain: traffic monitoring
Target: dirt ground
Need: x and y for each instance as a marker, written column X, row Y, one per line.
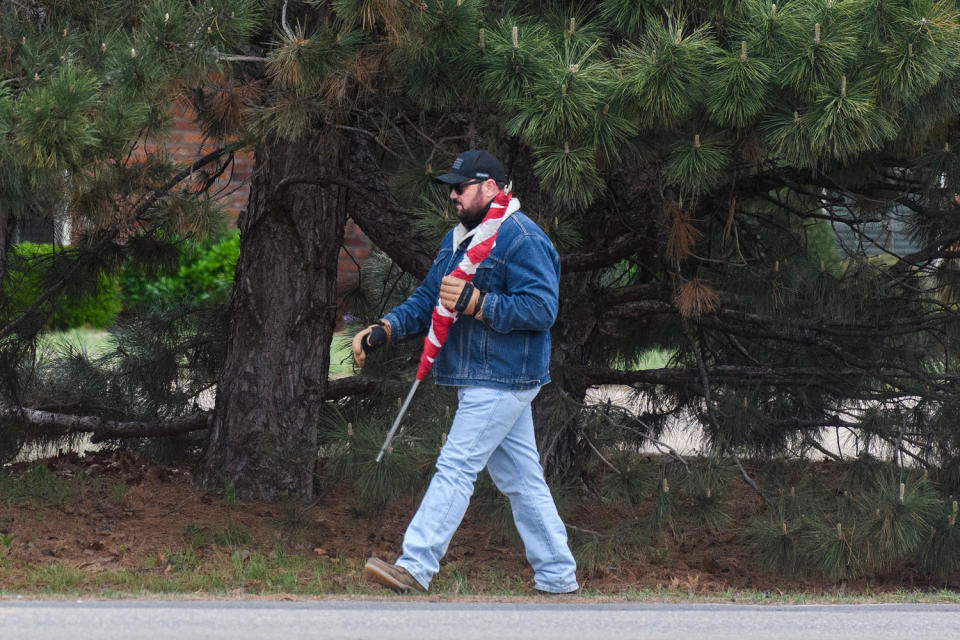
column 125, row 514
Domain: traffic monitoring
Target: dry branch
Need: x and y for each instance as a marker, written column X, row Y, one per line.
column 103, row 429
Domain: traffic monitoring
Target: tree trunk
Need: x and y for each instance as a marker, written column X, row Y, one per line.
column 283, row 312
column 6, row 232
column 556, row 406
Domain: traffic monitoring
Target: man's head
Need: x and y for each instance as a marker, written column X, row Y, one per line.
column 475, row 179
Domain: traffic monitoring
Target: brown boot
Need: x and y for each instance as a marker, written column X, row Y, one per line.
column 390, row 575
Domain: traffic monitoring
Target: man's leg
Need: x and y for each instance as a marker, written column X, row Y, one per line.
column 484, row 417
column 515, row 469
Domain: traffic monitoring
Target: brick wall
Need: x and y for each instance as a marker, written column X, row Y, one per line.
column 186, row 143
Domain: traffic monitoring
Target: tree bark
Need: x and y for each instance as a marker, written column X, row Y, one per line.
column 5, row 233
column 283, row 312
column 392, row 231
column 102, row 429
column 555, row 408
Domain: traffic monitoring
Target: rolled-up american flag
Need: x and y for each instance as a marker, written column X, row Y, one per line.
column 481, row 244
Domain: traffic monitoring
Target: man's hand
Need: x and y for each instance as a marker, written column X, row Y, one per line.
column 369, row 339
column 460, row 295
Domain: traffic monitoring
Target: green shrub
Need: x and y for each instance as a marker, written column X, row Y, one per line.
column 204, row 273
column 25, row 285
column 775, row 544
column 896, row 518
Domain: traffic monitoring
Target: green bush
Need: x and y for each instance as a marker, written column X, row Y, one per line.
column 25, row 284
column 203, row 273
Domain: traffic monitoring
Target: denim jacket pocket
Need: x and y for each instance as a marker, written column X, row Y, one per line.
column 442, row 259
column 490, row 275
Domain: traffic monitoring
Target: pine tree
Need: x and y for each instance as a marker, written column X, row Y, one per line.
column 692, row 161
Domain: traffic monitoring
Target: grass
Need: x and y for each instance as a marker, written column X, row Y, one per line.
column 229, row 534
column 258, row 574
column 223, row 547
column 222, row 558
column 96, row 342
column 93, row 341
column 38, row 484
column 242, row 572
column 341, row 356
column 654, row 359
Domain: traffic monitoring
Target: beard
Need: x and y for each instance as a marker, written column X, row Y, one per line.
column 471, row 218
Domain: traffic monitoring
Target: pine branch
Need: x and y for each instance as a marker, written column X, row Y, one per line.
column 57, row 287
column 5, row 229
column 900, row 377
column 621, row 304
column 689, row 377
column 890, row 327
column 942, row 249
column 148, row 200
column 696, row 347
column 283, row 20
column 326, row 181
column 612, row 252
column 371, row 135
column 819, row 447
column 659, row 444
column 362, row 385
column 104, row 429
column 634, row 293
column 225, row 57
column 849, row 221
column 639, row 310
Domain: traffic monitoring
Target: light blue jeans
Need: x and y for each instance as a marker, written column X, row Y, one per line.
column 492, row 428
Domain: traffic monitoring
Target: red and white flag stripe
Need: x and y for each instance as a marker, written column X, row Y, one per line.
column 481, row 244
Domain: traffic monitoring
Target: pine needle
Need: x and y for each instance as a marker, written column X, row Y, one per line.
column 695, row 299
column 681, row 233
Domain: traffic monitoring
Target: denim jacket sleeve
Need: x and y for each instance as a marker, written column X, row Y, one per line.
column 531, row 300
column 412, row 316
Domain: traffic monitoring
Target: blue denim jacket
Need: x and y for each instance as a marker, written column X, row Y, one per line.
column 510, row 347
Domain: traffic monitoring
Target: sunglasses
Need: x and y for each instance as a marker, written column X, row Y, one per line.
column 458, row 188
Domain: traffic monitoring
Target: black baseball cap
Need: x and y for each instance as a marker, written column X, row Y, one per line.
column 472, row 165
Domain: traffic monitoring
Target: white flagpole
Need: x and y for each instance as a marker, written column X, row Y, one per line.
column 396, row 423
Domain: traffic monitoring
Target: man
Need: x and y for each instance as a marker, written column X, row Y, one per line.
column 497, row 354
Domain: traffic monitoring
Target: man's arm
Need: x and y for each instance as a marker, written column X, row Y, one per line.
column 409, row 318
column 533, row 284
column 412, row 316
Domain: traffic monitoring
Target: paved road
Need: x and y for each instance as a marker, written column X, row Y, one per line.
column 468, row 621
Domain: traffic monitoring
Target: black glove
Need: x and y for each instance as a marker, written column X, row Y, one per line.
column 375, row 339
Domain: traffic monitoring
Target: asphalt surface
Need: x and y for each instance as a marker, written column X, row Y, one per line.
column 467, row 621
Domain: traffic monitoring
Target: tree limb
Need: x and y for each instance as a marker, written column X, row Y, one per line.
column 104, row 429
column 225, row 57
column 4, row 241
column 376, row 212
column 361, row 385
column 148, row 200
column 622, row 247
column 356, row 188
